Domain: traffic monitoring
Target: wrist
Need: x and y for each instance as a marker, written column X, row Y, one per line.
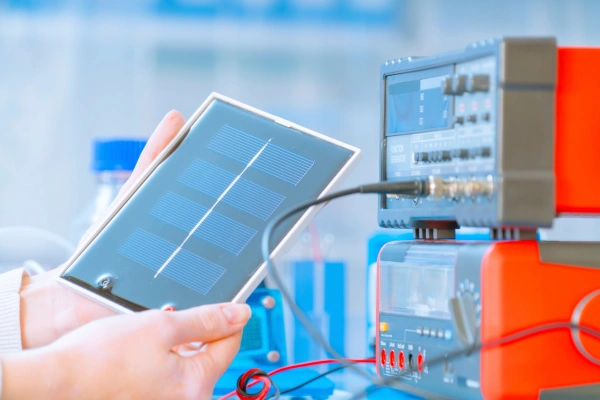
column 49, row 310
column 40, row 299
column 34, row 374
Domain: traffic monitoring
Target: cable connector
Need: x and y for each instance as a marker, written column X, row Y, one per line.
column 411, row 189
column 436, row 188
column 453, row 188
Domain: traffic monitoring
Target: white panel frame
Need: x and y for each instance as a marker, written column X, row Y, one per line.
column 286, row 243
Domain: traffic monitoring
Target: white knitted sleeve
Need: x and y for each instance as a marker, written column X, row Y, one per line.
column 10, row 311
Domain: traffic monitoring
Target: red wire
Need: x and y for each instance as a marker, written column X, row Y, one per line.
column 263, row 391
column 301, row 365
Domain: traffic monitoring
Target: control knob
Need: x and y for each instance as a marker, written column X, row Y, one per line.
column 454, row 85
column 478, row 83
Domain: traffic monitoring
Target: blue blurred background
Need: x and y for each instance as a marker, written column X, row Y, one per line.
column 71, row 70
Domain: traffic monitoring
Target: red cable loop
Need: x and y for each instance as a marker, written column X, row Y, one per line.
column 267, row 383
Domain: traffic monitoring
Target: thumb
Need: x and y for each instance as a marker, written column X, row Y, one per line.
column 217, row 356
column 166, row 130
column 207, row 323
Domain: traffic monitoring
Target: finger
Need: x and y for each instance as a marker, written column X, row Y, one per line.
column 166, row 130
column 217, row 356
column 207, row 323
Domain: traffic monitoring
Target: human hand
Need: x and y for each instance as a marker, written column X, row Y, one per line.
column 130, row 356
column 49, row 310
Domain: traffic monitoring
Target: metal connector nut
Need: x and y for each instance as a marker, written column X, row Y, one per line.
column 436, row 187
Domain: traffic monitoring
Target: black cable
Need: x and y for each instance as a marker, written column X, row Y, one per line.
column 414, row 188
column 311, row 380
column 245, row 379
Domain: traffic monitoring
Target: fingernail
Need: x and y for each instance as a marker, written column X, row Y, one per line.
column 237, row 313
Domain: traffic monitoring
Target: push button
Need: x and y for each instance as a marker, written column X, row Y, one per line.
column 383, row 326
column 463, row 153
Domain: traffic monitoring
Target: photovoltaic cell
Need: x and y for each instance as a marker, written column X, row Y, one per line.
column 245, row 195
column 216, row 229
column 186, row 268
column 275, row 160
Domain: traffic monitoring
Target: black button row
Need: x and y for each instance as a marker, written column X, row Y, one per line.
column 448, row 155
column 473, row 118
column 465, row 154
column 432, row 156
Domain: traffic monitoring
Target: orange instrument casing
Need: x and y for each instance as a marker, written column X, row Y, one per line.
column 516, row 285
column 520, row 290
column 577, row 131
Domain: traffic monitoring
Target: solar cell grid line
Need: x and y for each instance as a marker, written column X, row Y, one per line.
column 245, row 195
column 194, row 278
column 171, row 207
column 261, row 200
column 254, row 199
column 269, row 163
column 206, row 178
column 254, row 190
column 228, row 136
column 183, row 214
column 225, row 233
column 186, row 268
column 210, row 210
column 275, row 160
column 147, row 249
column 249, row 138
column 217, row 229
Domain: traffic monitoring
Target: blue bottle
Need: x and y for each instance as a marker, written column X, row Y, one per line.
column 113, row 161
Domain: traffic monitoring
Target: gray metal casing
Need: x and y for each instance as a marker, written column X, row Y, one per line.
column 458, row 378
column 521, row 132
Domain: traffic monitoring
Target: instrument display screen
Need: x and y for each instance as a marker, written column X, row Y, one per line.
column 416, row 105
column 420, row 285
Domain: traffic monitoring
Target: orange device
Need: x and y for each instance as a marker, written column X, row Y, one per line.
column 577, row 131
column 507, row 132
column 514, row 285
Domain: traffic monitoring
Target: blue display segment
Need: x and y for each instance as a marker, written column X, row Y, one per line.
column 417, row 105
column 216, row 229
column 186, row 268
column 275, row 160
column 244, row 195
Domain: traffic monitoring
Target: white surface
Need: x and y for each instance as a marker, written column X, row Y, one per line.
column 21, row 244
